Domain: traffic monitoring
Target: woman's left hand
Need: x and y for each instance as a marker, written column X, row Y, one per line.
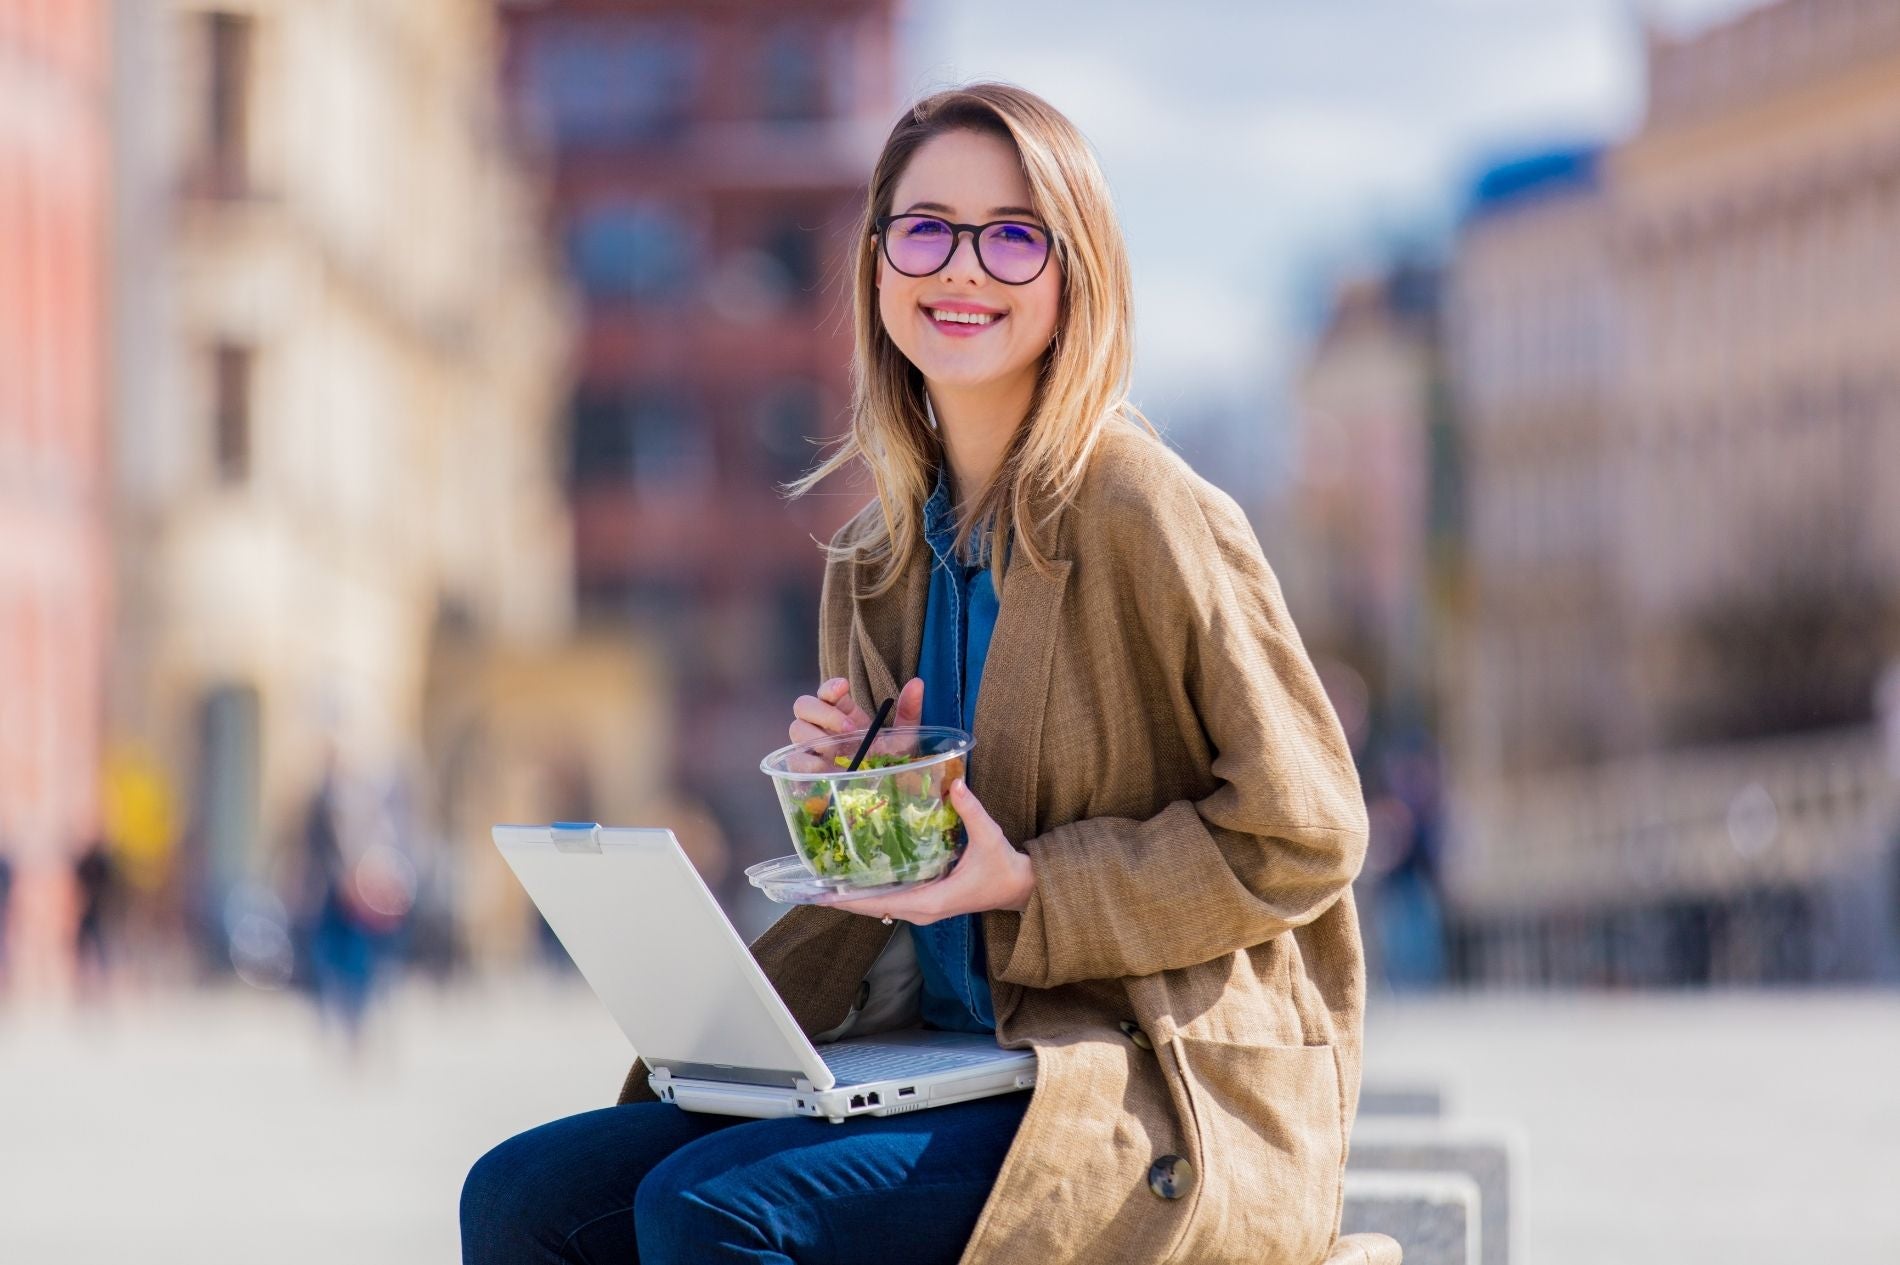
column 989, row 875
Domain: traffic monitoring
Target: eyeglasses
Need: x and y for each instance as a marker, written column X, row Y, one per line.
column 1011, row 251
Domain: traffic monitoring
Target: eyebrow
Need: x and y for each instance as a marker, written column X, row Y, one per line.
column 941, row 209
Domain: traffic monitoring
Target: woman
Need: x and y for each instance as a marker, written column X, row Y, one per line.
column 1163, row 817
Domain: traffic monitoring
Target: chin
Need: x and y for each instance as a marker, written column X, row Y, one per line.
column 964, row 375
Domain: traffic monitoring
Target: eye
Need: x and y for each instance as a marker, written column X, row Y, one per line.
column 925, row 228
column 1016, row 234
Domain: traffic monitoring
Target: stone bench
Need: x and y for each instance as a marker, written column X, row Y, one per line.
column 1491, row 1155
column 1424, row 1101
column 1434, row 1217
column 1364, row 1249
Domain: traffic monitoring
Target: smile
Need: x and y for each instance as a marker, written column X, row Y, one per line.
column 962, row 323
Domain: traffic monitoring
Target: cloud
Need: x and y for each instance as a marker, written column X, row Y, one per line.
column 1244, row 142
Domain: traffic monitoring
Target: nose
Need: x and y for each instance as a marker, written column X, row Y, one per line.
column 963, row 261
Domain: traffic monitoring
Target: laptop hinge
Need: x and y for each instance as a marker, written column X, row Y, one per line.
column 576, row 836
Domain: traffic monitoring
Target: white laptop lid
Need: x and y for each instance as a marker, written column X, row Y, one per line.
column 658, row 951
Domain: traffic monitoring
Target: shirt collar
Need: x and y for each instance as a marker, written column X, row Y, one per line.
column 940, row 520
column 940, row 523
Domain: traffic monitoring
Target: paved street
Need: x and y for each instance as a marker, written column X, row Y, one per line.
column 222, row 1128
column 1691, row 1129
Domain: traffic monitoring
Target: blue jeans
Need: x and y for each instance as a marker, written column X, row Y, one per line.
column 648, row 1182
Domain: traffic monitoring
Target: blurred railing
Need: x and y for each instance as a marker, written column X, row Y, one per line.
column 1764, row 861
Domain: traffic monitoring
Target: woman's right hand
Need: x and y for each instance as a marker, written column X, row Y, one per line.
column 832, row 710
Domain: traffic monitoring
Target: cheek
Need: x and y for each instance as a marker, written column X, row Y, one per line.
column 1039, row 315
column 891, row 308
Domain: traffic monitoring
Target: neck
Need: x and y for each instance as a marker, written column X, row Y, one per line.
column 976, row 424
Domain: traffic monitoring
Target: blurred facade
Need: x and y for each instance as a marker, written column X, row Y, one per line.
column 342, row 353
column 55, row 568
column 1672, row 363
column 1372, row 579
column 1367, row 500
column 709, row 161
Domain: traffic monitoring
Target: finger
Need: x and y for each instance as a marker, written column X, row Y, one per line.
column 910, row 702
column 837, row 692
column 977, row 822
column 968, row 806
column 816, row 712
column 804, row 731
column 922, row 904
column 869, row 908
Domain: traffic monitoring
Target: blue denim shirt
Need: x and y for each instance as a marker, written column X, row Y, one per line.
column 959, row 617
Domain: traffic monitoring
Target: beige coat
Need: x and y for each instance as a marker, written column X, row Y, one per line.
column 1150, row 730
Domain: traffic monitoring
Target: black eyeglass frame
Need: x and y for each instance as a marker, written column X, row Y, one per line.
column 956, row 235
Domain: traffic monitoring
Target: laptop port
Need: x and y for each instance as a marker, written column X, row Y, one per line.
column 857, row 1101
column 872, row 1098
column 907, row 1091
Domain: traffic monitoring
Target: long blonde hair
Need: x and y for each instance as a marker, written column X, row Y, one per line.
column 1082, row 382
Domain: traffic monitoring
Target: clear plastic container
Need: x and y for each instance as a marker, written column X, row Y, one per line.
column 885, row 827
column 789, row 881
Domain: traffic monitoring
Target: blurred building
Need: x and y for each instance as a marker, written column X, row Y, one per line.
column 709, row 162
column 55, row 198
column 1531, row 318
column 1675, row 368
column 1371, row 425
column 1373, row 579
column 343, row 360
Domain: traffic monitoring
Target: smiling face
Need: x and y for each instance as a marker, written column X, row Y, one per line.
column 970, row 178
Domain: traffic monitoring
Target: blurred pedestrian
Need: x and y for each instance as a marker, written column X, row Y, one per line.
column 1410, row 904
column 96, row 879
column 6, row 902
column 349, row 904
column 1887, row 708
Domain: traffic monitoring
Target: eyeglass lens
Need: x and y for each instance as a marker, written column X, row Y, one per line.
column 919, row 245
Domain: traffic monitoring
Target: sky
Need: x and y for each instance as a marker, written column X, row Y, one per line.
column 1259, row 151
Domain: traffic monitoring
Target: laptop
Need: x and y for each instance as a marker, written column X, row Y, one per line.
column 658, row 951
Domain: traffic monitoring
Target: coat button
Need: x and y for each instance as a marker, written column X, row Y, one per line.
column 1170, row 1177
column 1133, row 1032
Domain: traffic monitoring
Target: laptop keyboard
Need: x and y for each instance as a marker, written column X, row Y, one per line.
column 856, row 1063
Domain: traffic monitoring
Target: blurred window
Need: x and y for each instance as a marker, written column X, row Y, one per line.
column 603, row 447
column 610, row 80
column 794, row 649
column 787, row 419
column 653, row 436
column 671, row 447
column 638, row 251
column 231, row 371
column 224, row 136
column 791, row 82
column 794, row 246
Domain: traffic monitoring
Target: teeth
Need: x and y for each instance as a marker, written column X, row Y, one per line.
column 964, row 318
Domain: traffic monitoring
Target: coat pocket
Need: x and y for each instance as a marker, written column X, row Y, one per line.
column 1270, row 1126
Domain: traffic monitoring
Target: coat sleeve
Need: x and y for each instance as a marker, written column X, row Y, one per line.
column 1282, row 832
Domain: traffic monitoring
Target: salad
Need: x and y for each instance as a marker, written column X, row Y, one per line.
column 871, row 832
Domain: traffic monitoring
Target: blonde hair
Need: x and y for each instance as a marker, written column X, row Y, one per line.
column 1082, row 382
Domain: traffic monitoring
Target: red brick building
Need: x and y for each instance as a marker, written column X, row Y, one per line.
column 709, row 161
column 54, row 566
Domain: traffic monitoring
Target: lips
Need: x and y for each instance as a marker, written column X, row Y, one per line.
column 966, row 321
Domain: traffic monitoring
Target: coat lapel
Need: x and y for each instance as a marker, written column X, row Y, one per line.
column 889, row 629
column 1014, row 695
